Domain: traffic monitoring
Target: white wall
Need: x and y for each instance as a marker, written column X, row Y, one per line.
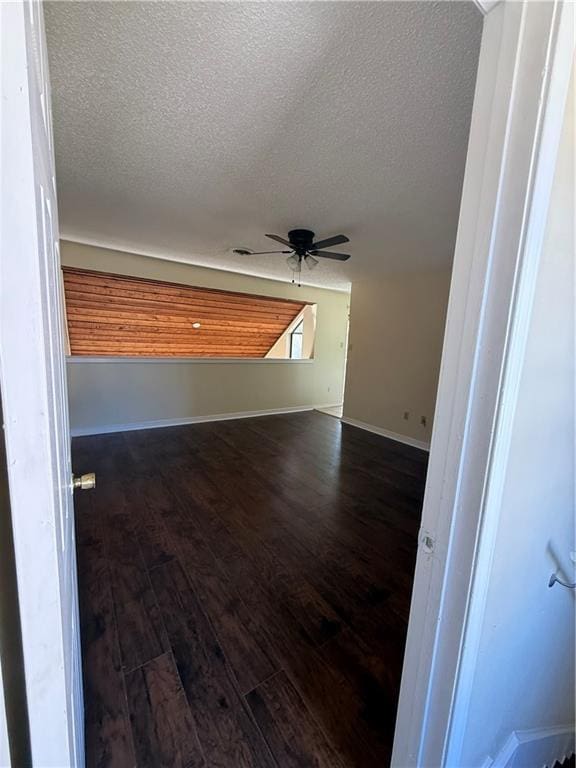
column 394, row 351
column 122, row 393
column 524, row 678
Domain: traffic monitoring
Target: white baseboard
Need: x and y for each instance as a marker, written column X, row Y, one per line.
column 131, row 427
column 387, row 433
column 538, row 747
column 325, row 409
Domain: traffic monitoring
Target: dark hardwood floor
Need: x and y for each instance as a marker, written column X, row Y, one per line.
column 244, row 592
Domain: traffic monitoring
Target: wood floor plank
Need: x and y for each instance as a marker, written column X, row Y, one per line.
column 164, row 731
column 335, row 702
column 375, row 674
column 327, row 693
column 108, row 734
column 291, row 592
column 293, row 735
column 335, row 585
column 242, row 637
column 141, row 633
column 271, row 557
column 151, row 508
column 227, row 732
column 344, row 463
column 140, row 628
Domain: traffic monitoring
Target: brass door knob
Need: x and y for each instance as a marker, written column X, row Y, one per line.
column 84, row 482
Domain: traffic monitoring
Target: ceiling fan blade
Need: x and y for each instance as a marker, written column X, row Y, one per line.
column 336, row 240
column 246, row 252
column 331, row 255
column 264, row 253
column 280, row 240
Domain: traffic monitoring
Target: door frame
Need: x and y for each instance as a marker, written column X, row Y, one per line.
column 512, row 147
column 34, row 398
column 524, row 70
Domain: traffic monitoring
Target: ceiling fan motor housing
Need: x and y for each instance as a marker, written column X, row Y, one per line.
column 301, row 239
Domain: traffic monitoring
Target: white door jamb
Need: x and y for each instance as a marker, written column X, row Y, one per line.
column 524, row 69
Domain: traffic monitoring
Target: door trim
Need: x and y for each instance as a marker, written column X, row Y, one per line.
column 34, row 399
column 524, row 69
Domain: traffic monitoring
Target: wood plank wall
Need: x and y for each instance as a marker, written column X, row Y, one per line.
column 115, row 315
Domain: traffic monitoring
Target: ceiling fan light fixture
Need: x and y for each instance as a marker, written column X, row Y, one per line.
column 302, row 247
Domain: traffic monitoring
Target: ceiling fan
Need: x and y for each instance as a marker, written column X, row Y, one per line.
column 302, row 248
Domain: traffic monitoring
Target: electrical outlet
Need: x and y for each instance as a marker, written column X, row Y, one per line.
column 423, row 420
column 406, row 415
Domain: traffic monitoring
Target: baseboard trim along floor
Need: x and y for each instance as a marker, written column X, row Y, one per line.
column 158, row 423
column 387, row 433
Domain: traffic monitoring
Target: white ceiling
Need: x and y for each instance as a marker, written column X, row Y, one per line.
column 186, row 129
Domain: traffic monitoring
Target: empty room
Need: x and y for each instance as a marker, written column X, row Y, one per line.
column 246, row 560
column 283, row 273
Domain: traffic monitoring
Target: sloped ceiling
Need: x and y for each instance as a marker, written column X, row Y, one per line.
column 186, row 129
column 115, row 315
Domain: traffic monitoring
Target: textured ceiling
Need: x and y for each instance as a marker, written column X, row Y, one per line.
column 186, row 129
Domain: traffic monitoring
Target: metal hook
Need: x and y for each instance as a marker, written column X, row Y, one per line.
column 554, row 579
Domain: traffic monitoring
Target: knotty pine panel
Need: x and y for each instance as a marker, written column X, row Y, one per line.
column 118, row 315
